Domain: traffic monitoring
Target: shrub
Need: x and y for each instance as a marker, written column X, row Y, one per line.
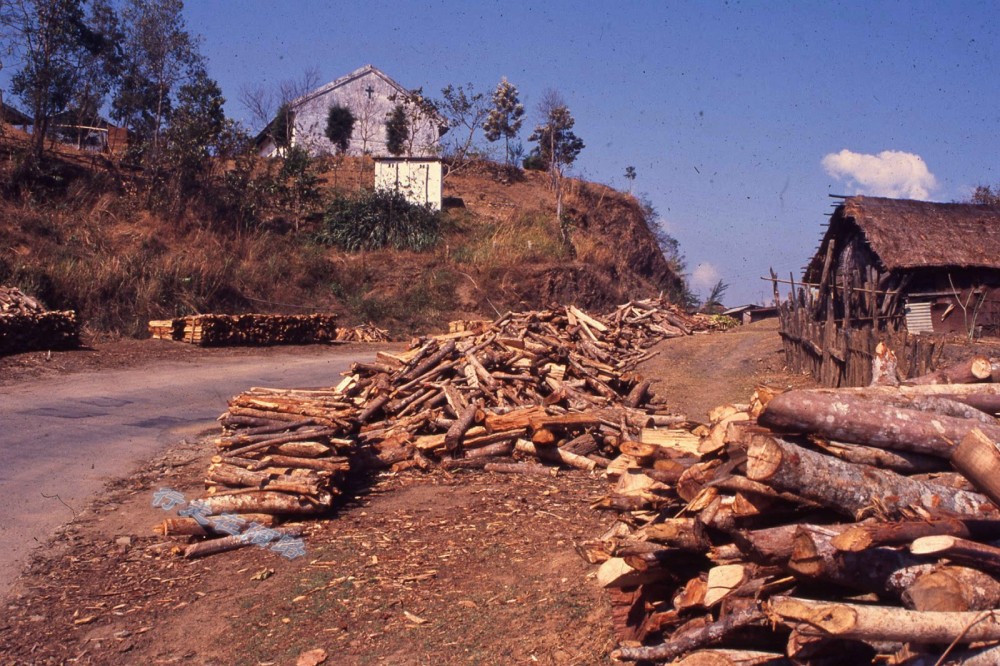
column 374, row 220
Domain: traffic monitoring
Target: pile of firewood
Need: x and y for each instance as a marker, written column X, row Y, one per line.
column 362, row 333
column 26, row 326
column 815, row 526
column 216, row 330
column 539, row 387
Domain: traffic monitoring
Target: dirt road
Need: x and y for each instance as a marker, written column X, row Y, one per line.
column 63, row 438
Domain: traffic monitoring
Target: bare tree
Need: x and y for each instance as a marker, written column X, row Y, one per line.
column 266, row 103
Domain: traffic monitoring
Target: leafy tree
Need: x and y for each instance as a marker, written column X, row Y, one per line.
column 197, row 124
column 397, row 131
column 340, row 127
column 630, row 177
column 505, row 117
column 421, row 116
column 558, row 146
column 53, row 40
column 159, row 54
column 463, row 107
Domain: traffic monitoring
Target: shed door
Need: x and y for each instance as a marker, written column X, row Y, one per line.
column 918, row 316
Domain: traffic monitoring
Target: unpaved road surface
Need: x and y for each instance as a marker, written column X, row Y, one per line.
column 414, row 568
column 63, row 438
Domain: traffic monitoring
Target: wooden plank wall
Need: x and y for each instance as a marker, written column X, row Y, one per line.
column 839, row 353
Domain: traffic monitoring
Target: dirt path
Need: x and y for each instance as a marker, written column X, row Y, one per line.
column 699, row 372
column 470, row 568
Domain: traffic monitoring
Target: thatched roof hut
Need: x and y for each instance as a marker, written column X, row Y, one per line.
column 906, row 235
column 926, row 260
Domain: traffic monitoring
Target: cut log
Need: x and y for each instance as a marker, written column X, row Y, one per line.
column 723, row 581
column 725, row 657
column 853, row 489
column 976, row 369
column 521, row 468
column 952, row 588
column 973, row 553
column 978, row 459
column 880, row 570
column 847, row 418
column 876, row 534
column 883, row 623
column 711, row 634
column 268, row 502
column 233, row 542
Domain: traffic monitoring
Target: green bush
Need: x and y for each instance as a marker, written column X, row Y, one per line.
column 379, row 219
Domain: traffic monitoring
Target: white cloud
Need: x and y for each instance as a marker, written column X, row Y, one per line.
column 704, row 277
column 891, row 173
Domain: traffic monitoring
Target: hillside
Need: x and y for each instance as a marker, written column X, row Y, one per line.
column 81, row 236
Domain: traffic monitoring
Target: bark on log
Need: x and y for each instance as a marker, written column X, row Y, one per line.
column 521, row 468
column 876, row 534
column 902, row 462
column 268, row 502
column 725, row 657
column 852, row 489
column 712, row 633
column 883, row 623
column 232, row 542
column 846, row 418
column 880, row 570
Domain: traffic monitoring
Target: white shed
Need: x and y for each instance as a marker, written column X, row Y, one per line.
column 417, row 178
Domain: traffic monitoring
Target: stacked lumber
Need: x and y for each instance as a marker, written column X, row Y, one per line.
column 214, row 330
column 814, row 526
column 362, row 333
column 26, row 326
column 528, row 393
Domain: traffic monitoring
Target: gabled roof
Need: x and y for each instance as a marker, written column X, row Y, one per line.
column 356, row 74
column 906, row 234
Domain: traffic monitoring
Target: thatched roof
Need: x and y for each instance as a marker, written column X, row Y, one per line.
column 906, row 234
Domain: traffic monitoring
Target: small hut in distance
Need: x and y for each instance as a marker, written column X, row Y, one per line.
column 933, row 266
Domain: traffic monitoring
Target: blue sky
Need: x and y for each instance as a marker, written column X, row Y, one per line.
column 739, row 117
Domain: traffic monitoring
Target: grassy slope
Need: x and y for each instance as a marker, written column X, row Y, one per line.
column 86, row 243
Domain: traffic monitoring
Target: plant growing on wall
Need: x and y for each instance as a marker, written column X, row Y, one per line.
column 397, row 131
column 340, row 127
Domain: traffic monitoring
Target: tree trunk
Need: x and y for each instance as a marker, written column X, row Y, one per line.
column 849, row 488
column 847, row 418
column 710, row 634
column 883, row 623
column 973, row 553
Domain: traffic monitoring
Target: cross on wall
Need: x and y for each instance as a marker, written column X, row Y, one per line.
column 370, row 91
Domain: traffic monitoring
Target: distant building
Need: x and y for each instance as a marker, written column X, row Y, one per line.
column 935, row 266
column 371, row 95
column 748, row 314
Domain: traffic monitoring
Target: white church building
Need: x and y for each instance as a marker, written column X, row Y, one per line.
column 371, row 95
